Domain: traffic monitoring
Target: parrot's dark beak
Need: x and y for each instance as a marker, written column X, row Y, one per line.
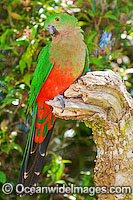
column 52, row 30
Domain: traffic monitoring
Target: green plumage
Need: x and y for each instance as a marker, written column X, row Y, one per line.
column 69, row 58
column 86, row 67
column 41, row 73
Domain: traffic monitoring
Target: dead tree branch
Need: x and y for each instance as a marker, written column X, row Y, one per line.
column 103, row 103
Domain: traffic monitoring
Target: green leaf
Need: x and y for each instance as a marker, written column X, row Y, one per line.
column 3, row 37
column 45, row 168
column 67, row 161
column 2, row 177
column 59, row 171
column 8, row 100
column 116, row 54
column 22, row 64
column 60, row 182
column 110, row 16
column 93, row 5
column 91, row 36
column 15, row 15
column 96, row 61
column 6, row 148
column 91, row 13
column 129, row 4
column 27, row 78
column 26, row 59
column 79, row 2
column 22, row 113
column 3, row 89
column 53, row 154
column 34, row 32
column 17, row 147
column 9, row 78
column 109, row 28
column 83, row 23
column 12, row 91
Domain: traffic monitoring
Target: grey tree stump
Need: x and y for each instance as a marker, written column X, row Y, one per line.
column 102, row 102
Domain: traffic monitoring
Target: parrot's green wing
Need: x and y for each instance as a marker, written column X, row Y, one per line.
column 41, row 73
column 86, row 67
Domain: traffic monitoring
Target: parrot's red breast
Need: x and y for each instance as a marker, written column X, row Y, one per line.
column 57, row 82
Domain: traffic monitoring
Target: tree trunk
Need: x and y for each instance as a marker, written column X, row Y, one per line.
column 102, row 102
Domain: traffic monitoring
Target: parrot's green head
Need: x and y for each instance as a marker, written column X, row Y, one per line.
column 58, row 22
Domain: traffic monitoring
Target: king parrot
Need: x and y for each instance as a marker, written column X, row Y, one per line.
column 60, row 63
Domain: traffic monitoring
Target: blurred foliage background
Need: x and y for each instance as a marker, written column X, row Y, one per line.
column 108, row 31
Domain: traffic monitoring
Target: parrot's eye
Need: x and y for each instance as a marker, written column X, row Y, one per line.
column 57, row 19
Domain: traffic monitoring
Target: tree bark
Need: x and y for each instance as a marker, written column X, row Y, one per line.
column 102, row 102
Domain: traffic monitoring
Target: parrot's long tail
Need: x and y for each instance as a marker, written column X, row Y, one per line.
column 38, row 139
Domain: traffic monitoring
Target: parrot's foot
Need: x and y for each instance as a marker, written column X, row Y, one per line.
column 78, row 79
column 60, row 97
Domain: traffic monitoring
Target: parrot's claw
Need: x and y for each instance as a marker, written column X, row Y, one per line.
column 60, row 97
column 78, row 79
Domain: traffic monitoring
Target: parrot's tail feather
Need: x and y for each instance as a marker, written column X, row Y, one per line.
column 36, row 150
column 27, row 150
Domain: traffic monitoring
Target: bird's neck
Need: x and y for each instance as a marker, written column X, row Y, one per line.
column 70, row 33
column 68, row 46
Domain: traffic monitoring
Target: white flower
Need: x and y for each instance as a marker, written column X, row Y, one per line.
column 69, row 2
column 119, row 61
column 63, row 5
column 22, row 38
column 129, row 21
column 22, row 86
column 42, row 24
column 50, row 8
column 110, row 57
column 56, row 7
column 13, row 133
column 69, row 11
column 129, row 70
column 15, row 102
column 41, row 10
column 36, row 26
column 43, row 16
column 126, row 59
column 129, row 37
column 123, row 36
column 69, row 133
column 121, row 70
column 76, row 9
column 32, row 41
